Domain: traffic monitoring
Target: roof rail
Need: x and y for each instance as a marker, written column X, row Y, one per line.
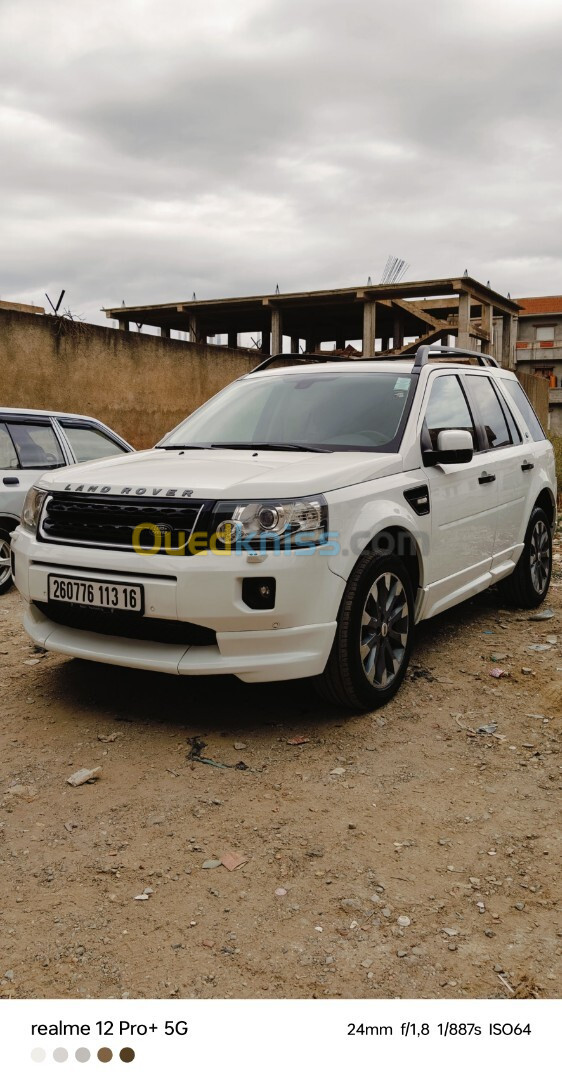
column 288, row 356
column 424, row 354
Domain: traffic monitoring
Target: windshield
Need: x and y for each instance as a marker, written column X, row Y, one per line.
column 332, row 411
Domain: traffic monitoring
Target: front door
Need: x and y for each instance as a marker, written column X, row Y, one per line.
column 28, row 448
column 463, row 500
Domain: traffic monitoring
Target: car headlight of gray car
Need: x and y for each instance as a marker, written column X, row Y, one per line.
column 32, row 508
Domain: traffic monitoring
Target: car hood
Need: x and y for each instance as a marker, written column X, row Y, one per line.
column 222, row 474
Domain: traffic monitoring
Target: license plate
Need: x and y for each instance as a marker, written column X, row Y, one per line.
column 89, row 592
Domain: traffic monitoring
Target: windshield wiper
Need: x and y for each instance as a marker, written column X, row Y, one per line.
column 244, row 446
column 270, row 446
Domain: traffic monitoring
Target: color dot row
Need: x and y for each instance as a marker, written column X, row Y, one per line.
column 82, row 1054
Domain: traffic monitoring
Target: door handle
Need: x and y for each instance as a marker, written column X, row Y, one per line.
column 10, row 480
column 527, row 466
column 486, row 478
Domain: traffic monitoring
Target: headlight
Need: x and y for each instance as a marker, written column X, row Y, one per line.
column 32, row 508
column 272, row 523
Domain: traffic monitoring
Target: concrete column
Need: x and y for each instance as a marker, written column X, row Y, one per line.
column 463, row 337
column 311, row 345
column 165, row 331
column 194, row 328
column 232, row 340
column 340, row 343
column 509, row 334
column 384, row 344
column 276, row 331
column 123, row 324
column 397, row 332
column 266, row 343
column 295, row 344
column 487, row 321
column 369, row 326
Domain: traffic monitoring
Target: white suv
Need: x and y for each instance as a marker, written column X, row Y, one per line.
column 298, row 524
column 33, row 441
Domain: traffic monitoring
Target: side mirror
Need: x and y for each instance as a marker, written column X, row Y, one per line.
column 454, row 447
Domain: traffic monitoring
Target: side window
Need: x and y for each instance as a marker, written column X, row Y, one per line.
column 513, row 427
column 36, row 444
column 8, row 456
column 490, row 411
column 515, row 391
column 447, row 408
column 88, row 443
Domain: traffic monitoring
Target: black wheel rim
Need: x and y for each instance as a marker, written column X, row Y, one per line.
column 540, row 556
column 5, row 567
column 384, row 630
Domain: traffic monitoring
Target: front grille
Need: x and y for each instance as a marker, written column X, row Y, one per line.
column 122, row 624
column 110, row 522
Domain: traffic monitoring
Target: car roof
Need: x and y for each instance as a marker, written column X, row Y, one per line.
column 9, row 411
column 399, row 367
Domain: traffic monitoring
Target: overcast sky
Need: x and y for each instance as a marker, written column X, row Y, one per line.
column 153, row 148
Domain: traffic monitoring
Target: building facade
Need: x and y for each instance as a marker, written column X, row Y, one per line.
column 538, row 349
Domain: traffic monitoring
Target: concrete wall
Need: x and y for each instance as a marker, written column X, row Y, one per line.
column 138, row 384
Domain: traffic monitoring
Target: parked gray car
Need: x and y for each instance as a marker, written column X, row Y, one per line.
column 32, row 442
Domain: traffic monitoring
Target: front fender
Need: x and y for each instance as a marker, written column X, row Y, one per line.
column 356, row 521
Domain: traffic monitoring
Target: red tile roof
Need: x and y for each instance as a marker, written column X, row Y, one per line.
column 540, row 305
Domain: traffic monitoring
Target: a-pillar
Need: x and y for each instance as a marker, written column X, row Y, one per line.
column 369, row 326
column 509, row 334
column 463, row 336
column 276, row 331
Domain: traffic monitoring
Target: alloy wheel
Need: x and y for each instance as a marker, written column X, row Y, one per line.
column 539, row 550
column 384, row 630
column 5, row 565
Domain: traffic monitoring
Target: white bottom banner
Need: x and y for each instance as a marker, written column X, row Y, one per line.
column 279, row 1040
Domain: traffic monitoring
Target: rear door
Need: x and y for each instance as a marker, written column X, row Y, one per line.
column 508, row 460
column 28, row 448
column 462, row 500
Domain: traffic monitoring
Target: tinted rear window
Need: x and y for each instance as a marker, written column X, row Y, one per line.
column 515, row 391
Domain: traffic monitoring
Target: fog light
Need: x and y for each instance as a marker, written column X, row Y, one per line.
column 259, row 593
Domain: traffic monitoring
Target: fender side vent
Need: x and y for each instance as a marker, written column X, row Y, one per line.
column 418, row 498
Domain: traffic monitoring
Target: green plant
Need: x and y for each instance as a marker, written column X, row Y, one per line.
column 556, row 441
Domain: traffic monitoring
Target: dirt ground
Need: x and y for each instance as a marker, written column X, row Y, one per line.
column 372, row 820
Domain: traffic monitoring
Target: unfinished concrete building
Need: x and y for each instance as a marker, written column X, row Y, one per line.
column 381, row 319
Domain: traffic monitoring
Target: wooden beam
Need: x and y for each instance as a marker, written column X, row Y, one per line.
column 416, row 310
column 426, row 339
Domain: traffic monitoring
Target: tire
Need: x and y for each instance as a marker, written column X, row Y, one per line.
column 527, row 585
column 365, row 676
column 5, row 564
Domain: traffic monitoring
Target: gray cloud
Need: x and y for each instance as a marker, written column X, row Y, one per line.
column 155, row 147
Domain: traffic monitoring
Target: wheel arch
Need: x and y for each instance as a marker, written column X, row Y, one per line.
column 8, row 522
column 546, row 501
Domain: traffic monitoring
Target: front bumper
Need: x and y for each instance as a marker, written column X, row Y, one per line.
column 290, row 641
